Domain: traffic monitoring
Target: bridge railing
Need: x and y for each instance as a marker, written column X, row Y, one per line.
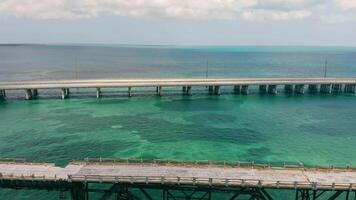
column 221, row 182
column 211, row 163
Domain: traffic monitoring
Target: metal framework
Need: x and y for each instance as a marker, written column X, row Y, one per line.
column 138, row 191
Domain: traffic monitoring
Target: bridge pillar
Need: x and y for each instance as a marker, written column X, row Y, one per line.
column 28, row 94
column 350, row 88
column 2, row 95
column 211, row 89
column 65, row 93
column 244, row 89
column 216, row 90
column 288, row 88
column 325, row 88
column 272, row 89
column 313, row 88
column 184, row 89
column 237, row 89
column 98, row 93
column 299, row 89
column 34, row 93
column 159, row 90
column 336, row 88
column 78, row 192
column 129, row 92
column 189, row 90
column 263, row 89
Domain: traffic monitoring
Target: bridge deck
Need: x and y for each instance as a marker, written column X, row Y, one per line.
column 214, row 175
column 168, row 82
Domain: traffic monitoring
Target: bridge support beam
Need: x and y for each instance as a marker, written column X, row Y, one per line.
column 2, row 95
column 184, row 89
column 159, row 90
column 237, row 89
column 288, row 88
column 272, row 89
column 263, row 89
column 299, row 89
column 350, row 88
column 244, row 89
column 211, row 89
column 28, row 94
column 129, row 92
column 65, row 93
column 336, row 88
column 325, row 88
column 189, row 90
column 34, row 94
column 313, row 88
column 216, row 90
column 98, row 93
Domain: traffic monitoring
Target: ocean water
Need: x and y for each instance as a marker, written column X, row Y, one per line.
column 313, row 129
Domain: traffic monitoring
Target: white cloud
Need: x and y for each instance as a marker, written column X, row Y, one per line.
column 346, row 4
column 275, row 15
column 181, row 9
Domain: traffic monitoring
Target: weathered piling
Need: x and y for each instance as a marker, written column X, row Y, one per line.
column 65, row 93
column 28, row 94
column 263, row 89
column 216, row 90
column 98, row 93
column 129, row 92
column 336, row 88
column 350, row 88
column 211, row 89
column 244, row 89
column 288, row 88
column 2, row 95
column 159, row 90
column 299, row 89
column 325, row 88
column 313, row 88
column 272, row 89
column 237, row 89
column 189, row 90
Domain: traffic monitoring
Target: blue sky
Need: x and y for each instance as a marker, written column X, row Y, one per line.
column 180, row 22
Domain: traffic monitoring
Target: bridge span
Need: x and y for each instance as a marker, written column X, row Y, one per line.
column 158, row 179
column 239, row 85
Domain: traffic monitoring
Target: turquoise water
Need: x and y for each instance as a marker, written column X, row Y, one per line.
column 310, row 129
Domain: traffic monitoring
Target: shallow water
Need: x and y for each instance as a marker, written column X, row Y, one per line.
column 311, row 129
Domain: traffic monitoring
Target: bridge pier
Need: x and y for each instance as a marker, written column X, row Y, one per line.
column 244, row 89
column 216, row 90
column 2, row 95
column 263, row 89
column 313, row 88
column 237, row 89
column 34, row 94
column 349, row 88
column 272, row 89
column 299, row 89
column 28, row 94
column 336, row 88
column 288, row 88
column 325, row 88
column 211, row 89
column 184, row 89
column 65, row 93
column 189, row 90
column 159, row 90
column 98, row 93
column 129, row 91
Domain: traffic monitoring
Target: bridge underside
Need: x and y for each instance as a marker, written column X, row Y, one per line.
column 138, row 191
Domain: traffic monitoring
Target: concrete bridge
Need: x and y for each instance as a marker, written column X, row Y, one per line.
column 239, row 85
column 160, row 179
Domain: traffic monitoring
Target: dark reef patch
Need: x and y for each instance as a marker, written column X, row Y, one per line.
column 210, row 118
